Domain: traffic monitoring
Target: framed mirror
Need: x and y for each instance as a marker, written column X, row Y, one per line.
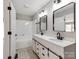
column 43, row 23
column 64, row 18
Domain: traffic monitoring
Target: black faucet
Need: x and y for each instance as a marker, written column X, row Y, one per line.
column 59, row 36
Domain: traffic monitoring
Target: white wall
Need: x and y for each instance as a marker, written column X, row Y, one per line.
column 63, row 2
column 24, row 32
column 49, row 8
column 23, row 17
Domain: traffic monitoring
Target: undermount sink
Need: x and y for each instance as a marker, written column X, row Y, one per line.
column 55, row 39
column 52, row 38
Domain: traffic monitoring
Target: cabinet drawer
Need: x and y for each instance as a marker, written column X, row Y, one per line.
column 37, row 46
column 44, row 56
column 44, row 52
column 57, row 49
column 38, row 49
column 52, row 56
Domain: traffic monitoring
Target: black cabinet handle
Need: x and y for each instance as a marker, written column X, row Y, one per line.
column 43, row 48
column 37, row 48
column 43, row 54
column 37, row 44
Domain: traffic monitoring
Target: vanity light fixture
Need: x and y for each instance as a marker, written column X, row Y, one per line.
column 43, row 12
column 57, row 1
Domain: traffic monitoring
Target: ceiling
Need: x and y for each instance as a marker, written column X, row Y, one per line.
column 28, row 7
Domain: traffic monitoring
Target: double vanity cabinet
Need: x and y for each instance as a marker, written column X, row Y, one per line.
column 51, row 48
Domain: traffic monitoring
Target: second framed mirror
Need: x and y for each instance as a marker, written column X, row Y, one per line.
column 43, row 23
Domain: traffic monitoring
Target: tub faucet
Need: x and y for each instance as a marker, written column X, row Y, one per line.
column 59, row 36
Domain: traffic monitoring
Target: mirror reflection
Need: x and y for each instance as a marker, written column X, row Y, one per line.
column 64, row 19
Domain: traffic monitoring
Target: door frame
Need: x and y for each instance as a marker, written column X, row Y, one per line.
column 7, row 31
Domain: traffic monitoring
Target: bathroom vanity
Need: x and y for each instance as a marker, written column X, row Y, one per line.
column 52, row 48
column 46, row 47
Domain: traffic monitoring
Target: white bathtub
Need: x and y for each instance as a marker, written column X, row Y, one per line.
column 22, row 43
column 24, row 34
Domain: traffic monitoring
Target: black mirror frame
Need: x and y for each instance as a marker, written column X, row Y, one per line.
column 74, row 16
column 40, row 22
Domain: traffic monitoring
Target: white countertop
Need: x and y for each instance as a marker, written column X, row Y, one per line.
column 54, row 40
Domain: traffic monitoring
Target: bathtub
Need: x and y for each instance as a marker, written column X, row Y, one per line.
column 23, row 43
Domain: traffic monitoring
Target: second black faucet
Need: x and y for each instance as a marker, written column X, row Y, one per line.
column 59, row 36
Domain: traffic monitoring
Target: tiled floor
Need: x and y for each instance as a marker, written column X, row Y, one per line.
column 26, row 53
